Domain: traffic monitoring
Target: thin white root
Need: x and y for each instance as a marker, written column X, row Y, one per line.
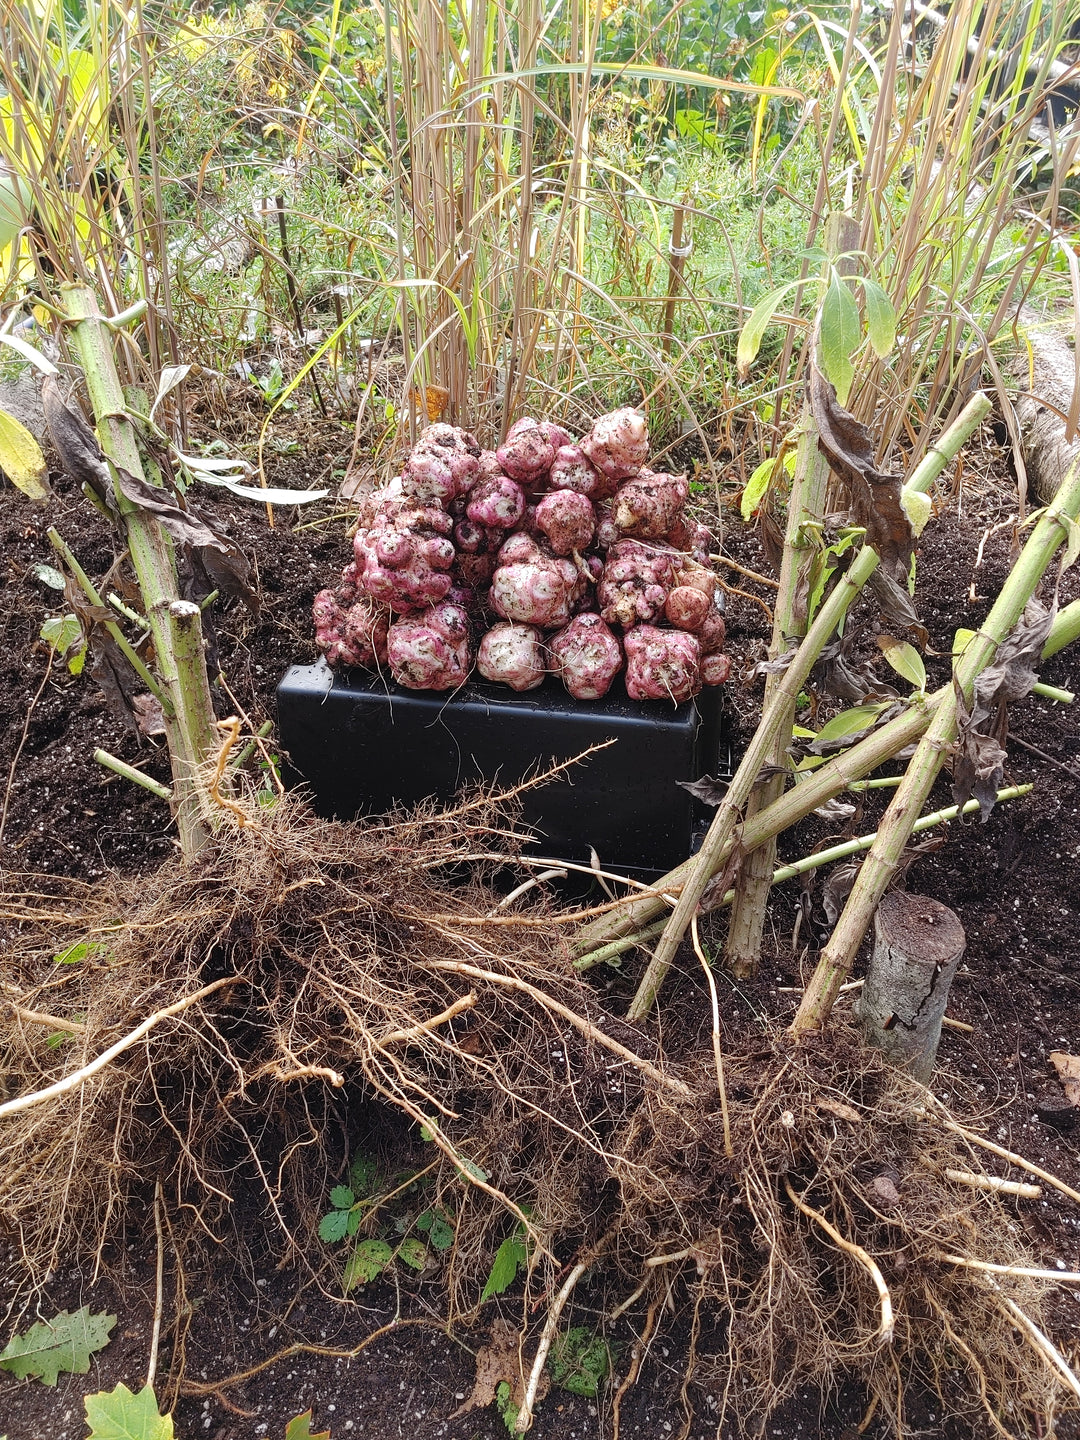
column 159, row 1289
column 79, row 1077
column 527, row 885
column 511, row 982
column 718, row 1055
column 1067, row 1277
column 1002, row 1153
column 54, row 1022
column 1042, row 1343
column 995, row 1185
column 630, row 1300
column 525, row 1414
column 888, row 1323
column 415, row 1032
column 961, row 1025
column 672, row 1259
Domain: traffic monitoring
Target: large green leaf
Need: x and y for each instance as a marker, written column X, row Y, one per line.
column 65, row 1342
column 368, row 1260
column 839, row 336
column 120, row 1415
column 904, row 659
column 880, row 319
column 761, row 317
column 21, row 459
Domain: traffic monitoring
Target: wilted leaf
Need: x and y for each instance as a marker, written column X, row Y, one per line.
column 835, row 811
column 75, row 443
column 759, row 320
column 1068, row 1069
column 149, row 716
column 120, row 1415
column 499, row 1363
column 64, row 1343
column 171, row 376
column 896, row 606
column 904, row 659
column 21, row 459
column 839, row 1109
column 837, row 888
column 48, row 575
column 707, row 790
column 873, row 495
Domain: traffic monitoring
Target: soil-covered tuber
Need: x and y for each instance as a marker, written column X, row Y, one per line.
column 527, row 452
column 403, row 558
column 618, row 444
column 650, row 505
column 430, row 651
column 533, row 588
column 497, row 502
column 567, row 520
column 512, row 654
column 441, row 465
column 662, row 664
column 635, row 584
column 586, row 656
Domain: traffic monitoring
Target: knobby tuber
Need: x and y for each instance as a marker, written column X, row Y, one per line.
column 548, row 555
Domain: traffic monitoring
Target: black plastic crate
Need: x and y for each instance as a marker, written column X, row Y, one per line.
column 362, row 744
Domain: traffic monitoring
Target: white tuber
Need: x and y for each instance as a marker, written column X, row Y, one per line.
column 430, row 651
column 662, row 664
column 512, row 654
column 618, row 444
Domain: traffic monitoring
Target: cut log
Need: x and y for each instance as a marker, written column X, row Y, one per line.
column 1046, row 371
column 919, row 944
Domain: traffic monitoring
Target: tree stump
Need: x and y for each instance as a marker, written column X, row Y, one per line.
column 918, row 945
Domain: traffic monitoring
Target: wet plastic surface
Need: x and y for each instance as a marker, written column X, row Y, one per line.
column 363, row 745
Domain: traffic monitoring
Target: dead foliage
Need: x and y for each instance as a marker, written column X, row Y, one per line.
column 374, row 955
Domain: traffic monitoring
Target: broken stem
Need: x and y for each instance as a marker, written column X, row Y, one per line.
column 729, row 813
column 879, row 867
column 129, row 772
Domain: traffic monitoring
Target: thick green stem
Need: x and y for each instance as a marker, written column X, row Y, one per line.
column 729, row 811
column 948, row 447
column 189, row 720
column 840, row 773
column 806, row 506
column 879, row 867
column 129, row 772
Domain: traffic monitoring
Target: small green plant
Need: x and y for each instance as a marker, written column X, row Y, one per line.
column 509, row 1257
column 508, row 1411
column 580, row 1361
column 64, row 1343
column 121, row 1415
column 64, row 636
column 402, row 1223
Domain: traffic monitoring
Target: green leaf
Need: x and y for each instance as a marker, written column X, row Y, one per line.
column 21, row 458
column 355, row 1216
column 342, row 1197
column 880, row 319
column 917, row 507
column 81, row 950
column 62, row 632
column 839, row 336
column 120, row 1415
column 757, row 487
column 362, row 1173
column 442, row 1233
column 904, row 659
column 761, row 317
column 579, row 1361
column 299, row 1428
column 849, row 722
column 64, row 1343
column 368, row 1260
column 510, row 1254
column 334, row 1226
column 414, row 1253
column 961, row 640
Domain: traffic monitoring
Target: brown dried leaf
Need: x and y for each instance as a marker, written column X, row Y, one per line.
column 149, row 716
column 113, row 673
column 707, row 790
column 896, row 606
column 873, row 495
column 1068, row 1069
column 75, row 443
column 498, row 1362
column 837, row 888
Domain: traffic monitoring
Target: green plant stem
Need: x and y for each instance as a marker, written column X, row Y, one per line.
column 879, row 867
column 950, row 444
column 129, row 772
column 801, row 867
column 840, row 773
column 249, row 749
column 86, row 585
column 1051, row 692
column 189, row 720
column 729, row 811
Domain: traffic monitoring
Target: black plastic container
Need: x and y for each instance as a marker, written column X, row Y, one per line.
column 362, row 744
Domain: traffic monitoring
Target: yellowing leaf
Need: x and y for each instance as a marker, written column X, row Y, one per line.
column 21, row 459
column 299, row 1428
column 917, row 507
column 904, row 659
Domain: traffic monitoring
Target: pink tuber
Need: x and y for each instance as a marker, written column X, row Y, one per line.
column 650, row 505
column 687, row 608
column 526, row 453
column 662, row 664
column 715, row 669
column 567, row 519
column 618, row 444
column 533, row 588
column 497, row 502
column 441, row 465
column 635, row 583
column 401, row 559
column 353, row 633
column 512, row 654
column 430, row 651
column 570, row 470
column 586, row 656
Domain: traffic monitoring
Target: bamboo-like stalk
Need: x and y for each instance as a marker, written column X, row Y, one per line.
column 878, row 868
column 801, row 867
column 825, row 782
column 722, row 830
column 189, row 727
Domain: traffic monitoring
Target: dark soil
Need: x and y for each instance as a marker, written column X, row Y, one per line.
column 1015, row 883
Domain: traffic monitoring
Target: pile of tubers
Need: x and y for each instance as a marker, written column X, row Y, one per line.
column 564, row 557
